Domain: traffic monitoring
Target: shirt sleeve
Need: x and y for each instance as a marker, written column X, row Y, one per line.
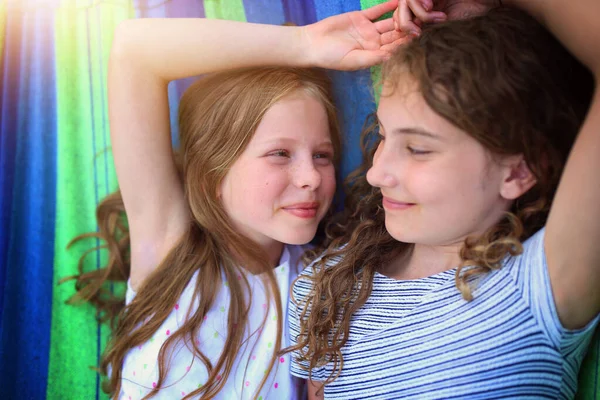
column 130, row 294
column 530, row 270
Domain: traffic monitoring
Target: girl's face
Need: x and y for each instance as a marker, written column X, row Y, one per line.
column 439, row 185
column 283, row 183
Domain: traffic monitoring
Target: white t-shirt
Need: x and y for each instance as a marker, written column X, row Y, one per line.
column 187, row 373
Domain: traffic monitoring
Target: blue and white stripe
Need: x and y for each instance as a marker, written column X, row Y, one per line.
column 418, row 339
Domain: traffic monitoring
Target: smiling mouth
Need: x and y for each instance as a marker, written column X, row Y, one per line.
column 390, row 204
column 303, row 210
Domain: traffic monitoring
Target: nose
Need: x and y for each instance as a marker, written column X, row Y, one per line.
column 380, row 174
column 306, row 176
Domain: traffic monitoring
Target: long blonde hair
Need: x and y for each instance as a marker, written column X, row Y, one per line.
column 218, row 116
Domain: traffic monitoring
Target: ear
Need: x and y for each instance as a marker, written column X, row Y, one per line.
column 518, row 178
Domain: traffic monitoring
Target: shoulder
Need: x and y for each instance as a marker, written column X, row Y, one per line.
column 304, row 282
column 326, row 260
column 530, row 272
column 532, row 254
column 185, row 300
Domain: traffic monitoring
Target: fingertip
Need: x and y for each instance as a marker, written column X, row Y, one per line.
column 439, row 16
column 414, row 31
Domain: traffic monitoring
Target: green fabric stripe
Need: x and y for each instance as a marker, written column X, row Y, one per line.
column 376, row 70
column 225, row 9
column 85, row 175
column 589, row 376
column 364, row 4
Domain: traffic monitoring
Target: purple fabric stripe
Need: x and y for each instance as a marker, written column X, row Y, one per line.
column 265, row 11
column 300, row 12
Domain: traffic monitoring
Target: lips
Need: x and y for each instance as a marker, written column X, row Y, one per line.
column 303, row 210
column 390, row 204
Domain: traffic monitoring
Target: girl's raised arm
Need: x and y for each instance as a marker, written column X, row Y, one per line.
column 148, row 53
column 572, row 241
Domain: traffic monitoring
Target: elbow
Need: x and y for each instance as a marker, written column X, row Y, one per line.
column 122, row 49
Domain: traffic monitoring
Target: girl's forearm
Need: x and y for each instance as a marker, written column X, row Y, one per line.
column 176, row 48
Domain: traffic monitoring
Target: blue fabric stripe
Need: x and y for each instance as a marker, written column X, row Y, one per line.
column 329, row 8
column 353, row 96
column 265, row 11
column 300, row 12
column 174, row 9
column 8, row 145
column 352, row 92
column 25, row 325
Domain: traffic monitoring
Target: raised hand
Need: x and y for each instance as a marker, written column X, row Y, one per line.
column 352, row 40
column 411, row 14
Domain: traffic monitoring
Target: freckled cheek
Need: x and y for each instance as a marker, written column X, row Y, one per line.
column 328, row 182
column 269, row 188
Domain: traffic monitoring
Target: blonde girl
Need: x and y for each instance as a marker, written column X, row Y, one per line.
column 214, row 235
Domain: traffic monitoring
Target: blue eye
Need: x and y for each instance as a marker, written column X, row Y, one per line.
column 323, row 158
column 280, row 153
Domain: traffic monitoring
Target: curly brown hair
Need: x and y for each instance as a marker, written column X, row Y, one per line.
column 505, row 81
column 218, row 116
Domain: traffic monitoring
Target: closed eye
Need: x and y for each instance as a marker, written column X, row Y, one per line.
column 417, row 152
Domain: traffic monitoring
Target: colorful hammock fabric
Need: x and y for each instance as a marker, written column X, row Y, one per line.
column 56, row 165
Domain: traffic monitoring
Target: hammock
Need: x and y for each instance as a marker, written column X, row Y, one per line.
column 56, row 164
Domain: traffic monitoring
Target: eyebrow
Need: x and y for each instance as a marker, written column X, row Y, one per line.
column 412, row 130
column 417, row 131
column 279, row 140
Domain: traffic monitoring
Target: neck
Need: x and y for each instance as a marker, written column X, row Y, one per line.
column 274, row 252
column 423, row 261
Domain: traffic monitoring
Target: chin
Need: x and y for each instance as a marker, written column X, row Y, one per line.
column 400, row 234
column 298, row 236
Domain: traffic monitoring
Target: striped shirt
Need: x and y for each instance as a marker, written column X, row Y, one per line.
column 418, row 339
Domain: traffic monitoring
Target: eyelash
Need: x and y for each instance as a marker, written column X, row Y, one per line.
column 279, row 153
column 285, row 153
column 415, row 152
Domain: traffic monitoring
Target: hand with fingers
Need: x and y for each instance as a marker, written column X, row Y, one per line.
column 354, row 40
column 412, row 14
